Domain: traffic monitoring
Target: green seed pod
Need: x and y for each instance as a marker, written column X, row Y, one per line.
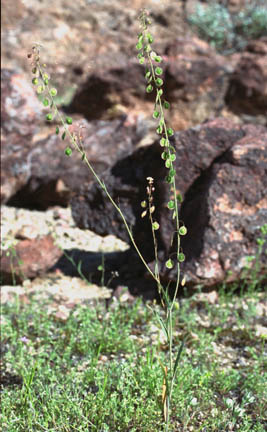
column 166, row 105
column 159, row 129
column 63, row 136
column 35, row 81
column 155, row 114
column 169, row 264
column 171, row 205
column 139, row 56
column 172, row 157
column 149, row 88
column 158, row 59
column 139, row 45
column 53, row 92
column 160, row 92
column 149, row 38
column 143, row 204
column 179, row 197
column 168, row 163
column 34, row 70
column 163, row 142
column 155, row 226
column 159, row 82
column 182, row 230
column 168, row 179
column 142, row 60
column 45, row 102
column 181, row 257
column 49, row 117
column 158, row 71
column 147, row 48
column 169, row 131
column 45, row 81
column 164, row 155
column 57, row 130
column 40, row 89
column 172, row 173
column 68, row 151
column 69, row 120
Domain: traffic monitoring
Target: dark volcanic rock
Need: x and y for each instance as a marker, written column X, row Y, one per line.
column 224, row 211
column 247, row 92
column 196, row 80
column 209, row 174
column 53, row 177
column 28, row 259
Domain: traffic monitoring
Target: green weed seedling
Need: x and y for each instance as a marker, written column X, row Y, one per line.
column 154, row 83
column 16, row 264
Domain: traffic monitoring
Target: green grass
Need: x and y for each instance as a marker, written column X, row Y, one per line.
column 99, row 370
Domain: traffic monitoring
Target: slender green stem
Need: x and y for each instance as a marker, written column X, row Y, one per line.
column 146, row 38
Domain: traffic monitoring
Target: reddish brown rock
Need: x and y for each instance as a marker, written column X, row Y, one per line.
column 195, row 77
column 247, row 92
column 54, row 177
column 36, row 173
column 224, row 213
column 29, row 259
column 208, row 170
column 20, row 112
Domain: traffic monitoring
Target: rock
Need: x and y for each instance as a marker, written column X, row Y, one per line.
column 54, row 177
column 225, row 210
column 35, row 172
column 195, row 77
column 20, row 112
column 28, row 259
column 247, row 92
column 101, row 78
column 196, row 80
column 209, row 174
column 93, row 30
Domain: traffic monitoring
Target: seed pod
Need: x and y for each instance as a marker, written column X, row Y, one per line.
column 68, row 151
column 163, row 142
column 158, row 71
column 182, row 230
column 166, row 105
column 53, row 92
column 155, row 225
column 159, row 82
column 181, row 257
column 171, row 204
column 169, row 264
